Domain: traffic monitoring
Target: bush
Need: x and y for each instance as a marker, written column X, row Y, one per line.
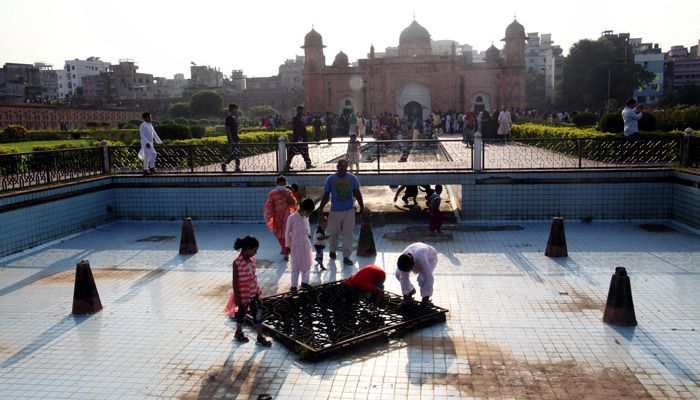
column 181, row 121
column 92, row 124
column 611, row 122
column 105, row 124
column 13, row 133
column 197, row 131
column 203, row 122
column 647, row 123
column 173, row 131
column 678, row 119
column 583, row 119
column 135, row 122
column 530, row 130
column 167, row 121
column 75, row 135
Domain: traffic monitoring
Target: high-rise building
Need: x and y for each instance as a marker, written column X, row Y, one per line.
column 652, row 61
column 292, row 73
column 71, row 77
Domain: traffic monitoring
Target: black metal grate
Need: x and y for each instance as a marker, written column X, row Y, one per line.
column 328, row 319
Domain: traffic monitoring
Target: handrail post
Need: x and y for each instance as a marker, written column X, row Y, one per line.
column 190, row 157
column 281, row 154
column 580, row 152
column 378, row 155
column 105, row 157
column 478, row 151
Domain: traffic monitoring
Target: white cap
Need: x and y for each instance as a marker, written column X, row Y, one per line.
column 689, row 130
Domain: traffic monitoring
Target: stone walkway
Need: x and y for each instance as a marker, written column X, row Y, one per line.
column 520, row 325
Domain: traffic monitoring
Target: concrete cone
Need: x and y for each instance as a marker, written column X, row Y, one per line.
column 188, row 243
column 86, row 300
column 365, row 244
column 556, row 245
column 619, row 309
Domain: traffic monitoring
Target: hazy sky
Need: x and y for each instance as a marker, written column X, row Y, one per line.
column 163, row 37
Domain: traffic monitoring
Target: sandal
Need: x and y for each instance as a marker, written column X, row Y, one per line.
column 263, row 341
column 240, row 337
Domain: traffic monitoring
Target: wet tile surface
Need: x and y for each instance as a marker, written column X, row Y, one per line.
column 520, row 325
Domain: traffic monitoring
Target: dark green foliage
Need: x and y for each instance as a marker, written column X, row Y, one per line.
column 588, row 68
column 647, row 123
column 13, row 133
column 584, row 119
column 181, row 121
column 197, row 131
column 75, row 135
column 135, row 122
column 611, row 122
column 679, row 118
column 206, row 103
column 92, row 124
column 105, row 124
column 173, row 131
column 180, row 109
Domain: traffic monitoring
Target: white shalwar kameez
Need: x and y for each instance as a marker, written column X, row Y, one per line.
column 425, row 258
column 148, row 154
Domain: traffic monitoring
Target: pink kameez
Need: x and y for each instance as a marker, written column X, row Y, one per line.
column 279, row 205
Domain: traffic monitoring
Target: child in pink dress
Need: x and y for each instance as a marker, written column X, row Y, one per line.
column 298, row 240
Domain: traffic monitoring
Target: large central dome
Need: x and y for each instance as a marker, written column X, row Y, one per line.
column 414, row 34
column 414, row 41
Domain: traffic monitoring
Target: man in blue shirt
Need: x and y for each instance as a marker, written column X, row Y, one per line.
column 631, row 116
column 343, row 189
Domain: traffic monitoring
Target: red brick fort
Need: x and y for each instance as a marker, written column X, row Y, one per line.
column 416, row 81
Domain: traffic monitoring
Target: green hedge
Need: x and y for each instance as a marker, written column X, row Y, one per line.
column 529, row 130
column 251, row 137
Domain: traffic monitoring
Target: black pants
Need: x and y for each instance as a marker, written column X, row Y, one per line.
column 235, row 154
column 298, row 148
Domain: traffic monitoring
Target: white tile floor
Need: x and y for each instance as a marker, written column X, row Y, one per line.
column 520, row 325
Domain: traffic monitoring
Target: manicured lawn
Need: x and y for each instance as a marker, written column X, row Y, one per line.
column 26, row 147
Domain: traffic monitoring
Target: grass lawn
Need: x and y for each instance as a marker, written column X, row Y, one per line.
column 26, row 147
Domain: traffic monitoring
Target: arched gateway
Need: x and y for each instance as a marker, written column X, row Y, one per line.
column 413, row 98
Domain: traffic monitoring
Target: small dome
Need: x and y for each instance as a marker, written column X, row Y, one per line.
column 313, row 39
column 515, row 30
column 414, row 34
column 492, row 54
column 341, row 60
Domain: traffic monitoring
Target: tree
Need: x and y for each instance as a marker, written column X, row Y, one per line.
column 206, row 103
column 686, row 95
column 181, row 109
column 593, row 74
column 258, row 112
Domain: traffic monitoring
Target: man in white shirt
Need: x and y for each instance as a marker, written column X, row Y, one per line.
column 504, row 122
column 148, row 152
column 631, row 116
column 420, row 259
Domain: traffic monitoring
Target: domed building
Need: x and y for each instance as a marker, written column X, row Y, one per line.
column 416, row 81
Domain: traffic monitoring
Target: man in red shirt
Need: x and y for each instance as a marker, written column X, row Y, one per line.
column 368, row 282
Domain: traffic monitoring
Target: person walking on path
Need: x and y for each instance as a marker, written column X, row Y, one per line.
column 279, row 206
column 298, row 136
column 353, row 153
column 342, row 188
column 504, row 122
column 246, row 290
column 329, row 127
column 631, row 115
column 361, row 128
column 231, row 124
column 420, row 259
column 298, row 241
column 148, row 151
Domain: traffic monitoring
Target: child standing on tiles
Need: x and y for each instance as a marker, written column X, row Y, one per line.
column 320, row 239
column 298, row 240
column 246, row 290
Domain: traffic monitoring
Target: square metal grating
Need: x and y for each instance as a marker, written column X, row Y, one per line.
column 328, row 319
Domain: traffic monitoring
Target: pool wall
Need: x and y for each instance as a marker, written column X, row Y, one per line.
column 34, row 217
